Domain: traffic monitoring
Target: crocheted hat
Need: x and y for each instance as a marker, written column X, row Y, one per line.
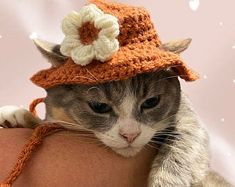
column 105, row 42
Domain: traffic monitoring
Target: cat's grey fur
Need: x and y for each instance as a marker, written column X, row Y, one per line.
column 183, row 157
column 172, row 126
column 74, row 98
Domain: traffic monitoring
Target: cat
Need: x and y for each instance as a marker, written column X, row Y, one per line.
column 149, row 109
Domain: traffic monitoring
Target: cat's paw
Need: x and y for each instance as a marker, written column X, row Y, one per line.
column 13, row 116
column 164, row 178
column 164, row 183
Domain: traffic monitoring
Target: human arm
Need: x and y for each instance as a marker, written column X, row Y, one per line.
column 70, row 160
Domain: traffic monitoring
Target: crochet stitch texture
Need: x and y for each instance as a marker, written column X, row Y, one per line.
column 89, row 34
column 34, row 142
column 139, row 52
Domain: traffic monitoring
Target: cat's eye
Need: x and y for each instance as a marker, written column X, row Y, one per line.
column 150, row 103
column 100, row 108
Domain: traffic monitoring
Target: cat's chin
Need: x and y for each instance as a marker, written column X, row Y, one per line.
column 128, row 151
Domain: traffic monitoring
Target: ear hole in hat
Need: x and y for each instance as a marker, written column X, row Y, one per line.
column 51, row 52
column 177, row 46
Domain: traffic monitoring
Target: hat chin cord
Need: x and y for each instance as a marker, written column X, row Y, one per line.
column 36, row 139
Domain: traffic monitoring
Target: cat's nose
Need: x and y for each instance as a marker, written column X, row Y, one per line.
column 129, row 137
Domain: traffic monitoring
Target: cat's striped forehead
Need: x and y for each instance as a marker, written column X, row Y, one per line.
column 126, row 116
column 139, row 87
column 124, row 97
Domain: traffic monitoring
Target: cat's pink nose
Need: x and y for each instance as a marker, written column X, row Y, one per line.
column 129, row 137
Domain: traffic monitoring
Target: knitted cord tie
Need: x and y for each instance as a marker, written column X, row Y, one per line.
column 34, row 142
column 32, row 106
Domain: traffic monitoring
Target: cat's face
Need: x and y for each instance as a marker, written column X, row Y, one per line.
column 124, row 115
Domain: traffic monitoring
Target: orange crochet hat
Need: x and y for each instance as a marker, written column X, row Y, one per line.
column 105, row 42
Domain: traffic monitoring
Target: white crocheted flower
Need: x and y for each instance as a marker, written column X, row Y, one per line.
column 89, row 34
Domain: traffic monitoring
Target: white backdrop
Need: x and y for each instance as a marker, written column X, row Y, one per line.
column 212, row 53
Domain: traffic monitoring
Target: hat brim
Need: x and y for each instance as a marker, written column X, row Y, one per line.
column 129, row 61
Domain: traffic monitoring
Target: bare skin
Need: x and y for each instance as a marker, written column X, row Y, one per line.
column 68, row 160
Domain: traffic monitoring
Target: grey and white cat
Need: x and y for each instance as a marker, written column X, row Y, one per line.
column 147, row 110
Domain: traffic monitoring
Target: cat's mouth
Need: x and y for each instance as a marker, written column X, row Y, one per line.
column 122, row 148
column 127, row 147
column 127, row 151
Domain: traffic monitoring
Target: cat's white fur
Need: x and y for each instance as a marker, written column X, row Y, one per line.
column 126, row 124
column 16, row 116
column 161, row 173
column 13, row 114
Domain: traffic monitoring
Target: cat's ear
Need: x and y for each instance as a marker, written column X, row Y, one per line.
column 51, row 52
column 177, row 46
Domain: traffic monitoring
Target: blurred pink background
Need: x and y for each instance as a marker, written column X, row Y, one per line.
column 212, row 53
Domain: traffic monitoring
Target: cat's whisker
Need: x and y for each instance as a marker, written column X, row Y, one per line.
column 174, row 66
column 167, row 144
column 88, row 78
column 164, row 121
column 167, row 135
column 88, row 139
column 145, row 148
column 160, row 126
column 181, row 150
column 151, row 146
column 106, row 147
column 170, row 146
column 110, row 138
column 93, row 87
column 175, row 134
column 167, row 139
column 79, row 135
column 76, row 127
column 166, row 125
column 173, row 76
column 170, row 77
column 91, row 74
column 169, row 117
